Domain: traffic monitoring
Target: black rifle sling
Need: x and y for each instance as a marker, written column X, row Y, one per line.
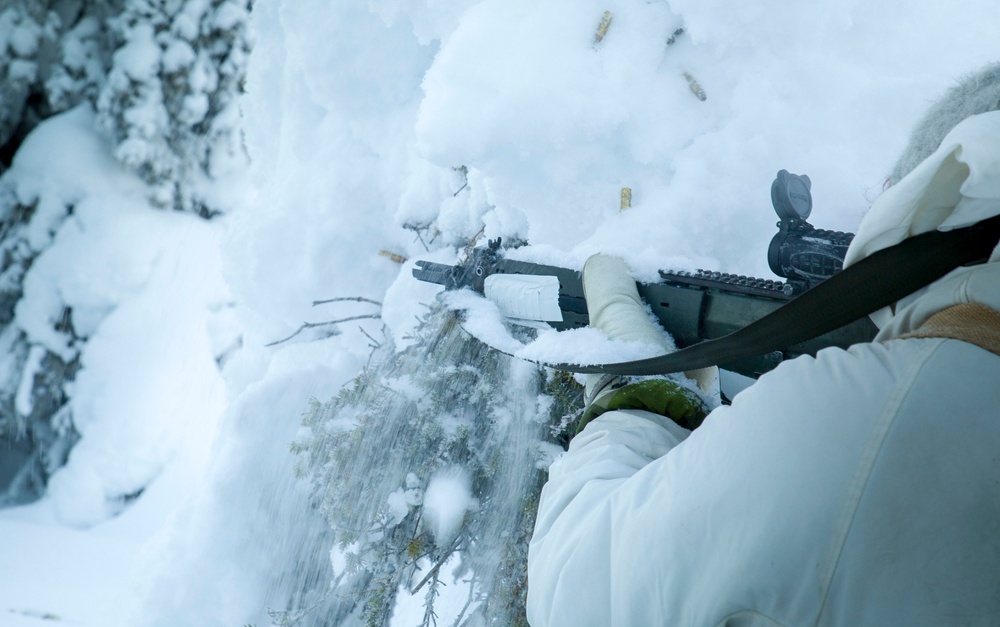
column 872, row 283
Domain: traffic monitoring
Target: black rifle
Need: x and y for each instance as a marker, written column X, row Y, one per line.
column 704, row 305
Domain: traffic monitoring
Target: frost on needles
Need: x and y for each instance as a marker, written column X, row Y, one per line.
column 169, row 102
column 428, row 468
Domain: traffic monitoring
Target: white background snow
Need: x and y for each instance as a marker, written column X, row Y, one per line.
column 356, row 116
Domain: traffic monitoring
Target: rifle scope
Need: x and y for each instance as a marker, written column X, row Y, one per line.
column 799, row 252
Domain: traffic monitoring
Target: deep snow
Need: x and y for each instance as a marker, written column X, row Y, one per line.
column 359, row 118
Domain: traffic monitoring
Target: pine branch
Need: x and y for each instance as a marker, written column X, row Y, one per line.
column 434, row 570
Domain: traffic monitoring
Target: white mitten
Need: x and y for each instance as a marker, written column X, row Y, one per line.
column 615, row 308
column 614, row 304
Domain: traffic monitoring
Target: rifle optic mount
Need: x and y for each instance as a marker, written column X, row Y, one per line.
column 800, row 252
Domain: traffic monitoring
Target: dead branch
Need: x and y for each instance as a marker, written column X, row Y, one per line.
column 341, row 299
column 374, row 343
column 448, row 553
column 468, row 602
column 312, row 325
column 420, row 229
column 467, row 251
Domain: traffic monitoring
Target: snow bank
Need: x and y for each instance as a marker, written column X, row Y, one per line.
column 141, row 287
column 61, row 162
column 553, row 125
column 250, row 540
column 330, row 147
column 148, row 377
column 453, row 600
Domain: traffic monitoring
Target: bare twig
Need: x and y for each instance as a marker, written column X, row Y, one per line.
column 418, row 230
column 374, row 348
column 472, row 242
column 374, row 343
column 312, row 325
column 464, row 173
column 468, row 602
column 433, row 572
column 341, row 299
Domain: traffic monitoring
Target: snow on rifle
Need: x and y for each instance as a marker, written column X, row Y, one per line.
column 692, row 307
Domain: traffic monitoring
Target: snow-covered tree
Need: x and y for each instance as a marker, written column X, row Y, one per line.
column 35, row 425
column 169, row 103
column 163, row 78
column 427, row 468
column 54, row 54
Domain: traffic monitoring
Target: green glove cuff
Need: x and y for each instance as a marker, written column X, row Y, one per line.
column 660, row 396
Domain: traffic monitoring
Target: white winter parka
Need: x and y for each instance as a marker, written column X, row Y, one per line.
column 859, row 487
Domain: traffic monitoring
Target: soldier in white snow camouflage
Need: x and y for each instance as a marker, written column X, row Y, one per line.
column 859, row 487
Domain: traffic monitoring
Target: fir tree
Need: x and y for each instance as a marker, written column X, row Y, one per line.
column 170, row 100
column 54, row 54
column 445, row 402
column 164, row 77
column 36, row 426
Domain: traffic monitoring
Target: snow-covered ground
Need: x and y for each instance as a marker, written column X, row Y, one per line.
column 457, row 119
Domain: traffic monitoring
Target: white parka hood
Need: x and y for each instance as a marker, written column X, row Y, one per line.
column 957, row 186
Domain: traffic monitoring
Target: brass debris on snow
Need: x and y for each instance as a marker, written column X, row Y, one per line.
column 602, row 28
column 626, row 198
column 392, row 256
